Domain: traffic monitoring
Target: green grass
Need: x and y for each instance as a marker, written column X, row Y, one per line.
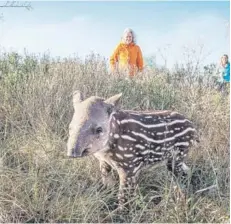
column 39, row 184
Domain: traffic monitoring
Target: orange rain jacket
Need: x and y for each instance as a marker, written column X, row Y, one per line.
column 127, row 57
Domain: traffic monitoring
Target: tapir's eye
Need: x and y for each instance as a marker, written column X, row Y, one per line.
column 98, row 130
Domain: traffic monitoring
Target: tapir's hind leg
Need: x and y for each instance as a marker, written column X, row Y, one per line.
column 176, row 163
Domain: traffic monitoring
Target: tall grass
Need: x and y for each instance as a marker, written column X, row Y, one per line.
column 39, row 184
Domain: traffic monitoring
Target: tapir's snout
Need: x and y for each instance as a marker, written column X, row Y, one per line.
column 74, row 153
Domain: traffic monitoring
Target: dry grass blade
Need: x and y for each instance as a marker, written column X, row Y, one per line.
column 37, row 182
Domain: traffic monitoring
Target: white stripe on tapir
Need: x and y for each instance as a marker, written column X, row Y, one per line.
column 145, row 152
column 168, row 149
column 182, row 144
column 161, row 133
column 128, row 138
column 156, row 153
column 138, row 167
column 116, row 136
column 128, row 155
column 137, row 158
column 119, row 156
column 140, row 146
column 164, row 140
column 140, row 123
column 153, row 125
column 120, row 148
column 148, row 117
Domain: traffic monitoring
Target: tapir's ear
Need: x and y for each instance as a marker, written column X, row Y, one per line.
column 77, row 97
column 114, row 100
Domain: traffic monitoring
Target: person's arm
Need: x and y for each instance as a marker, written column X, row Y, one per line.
column 139, row 61
column 228, row 70
column 114, row 58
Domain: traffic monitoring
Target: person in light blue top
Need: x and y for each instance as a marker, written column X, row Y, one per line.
column 226, row 68
column 224, row 73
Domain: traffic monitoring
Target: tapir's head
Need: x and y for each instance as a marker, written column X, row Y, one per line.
column 89, row 128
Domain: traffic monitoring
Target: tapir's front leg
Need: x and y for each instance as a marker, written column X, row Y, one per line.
column 105, row 170
column 127, row 187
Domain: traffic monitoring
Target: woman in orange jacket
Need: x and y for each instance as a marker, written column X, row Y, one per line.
column 127, row 56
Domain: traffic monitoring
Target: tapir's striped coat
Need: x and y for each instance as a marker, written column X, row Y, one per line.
column 138, row 139
column 127, row 141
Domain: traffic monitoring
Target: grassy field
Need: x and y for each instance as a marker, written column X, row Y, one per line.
column 39, row 184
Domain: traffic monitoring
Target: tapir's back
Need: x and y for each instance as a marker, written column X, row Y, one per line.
column 149, row 134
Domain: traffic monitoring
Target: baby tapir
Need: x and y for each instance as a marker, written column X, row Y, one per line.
column 127, row 141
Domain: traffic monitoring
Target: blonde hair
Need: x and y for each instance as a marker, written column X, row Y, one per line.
column 129, row 30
